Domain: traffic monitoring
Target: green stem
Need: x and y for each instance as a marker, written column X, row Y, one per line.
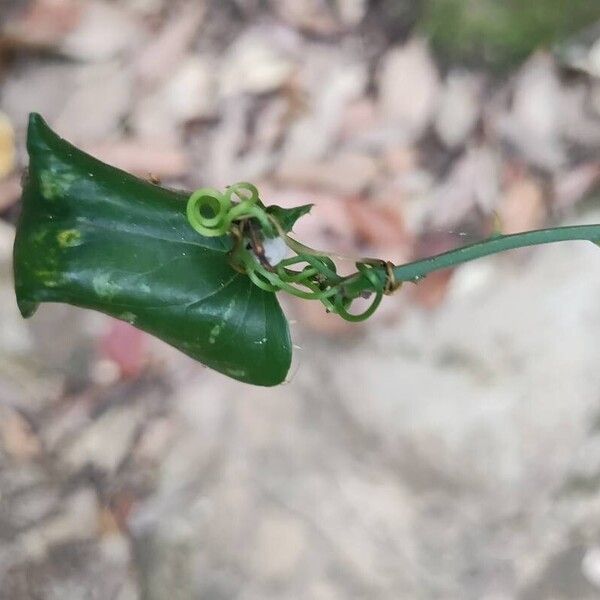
column 418, row 269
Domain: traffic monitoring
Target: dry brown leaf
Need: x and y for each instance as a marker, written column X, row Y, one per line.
column 314, row 132
column 430, row 292
column 379, row 229
column 313, row 16
column 328, row 227
column 254, row 64
column 164, row 53
column 521, row 206
column 571, row 186
column 345, row 174
column 103, row 31
column 10, row 191
column 534, row 121
column 142, row 158
column 472, row 183
column 312, row 314
column 43, row 24
column 459, row 107
column 409, row 88
column 358, row 118
column 7, row 146
column 18, row 439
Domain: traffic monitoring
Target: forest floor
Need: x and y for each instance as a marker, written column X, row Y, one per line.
column 449, row 448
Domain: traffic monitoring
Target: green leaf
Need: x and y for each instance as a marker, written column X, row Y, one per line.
column 287, row 217
column 96, row 237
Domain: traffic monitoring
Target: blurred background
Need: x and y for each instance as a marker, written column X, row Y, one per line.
column 449, row 448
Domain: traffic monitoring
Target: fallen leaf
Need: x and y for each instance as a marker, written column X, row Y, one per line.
column 459, row 107
column 164, row 52
column 10, row 192
column 312, row 314
column 431, row 291
column 7, row 146
column 571, row 186
column 409, row 88
column 138, row 156
column 103, row 31
column 521, row 205
column 533, row 124
column 18, row 439
column 83, row 118
column 255, row 65
column 313, row 16
column 351, row 12
column 313, row 133
column 473, row 182
column 345, row 173
column 43, row 24
column 379, row 229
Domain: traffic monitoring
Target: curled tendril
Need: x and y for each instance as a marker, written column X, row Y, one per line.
column 310, row 274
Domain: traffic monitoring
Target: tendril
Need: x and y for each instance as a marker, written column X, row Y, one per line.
column 309, row 274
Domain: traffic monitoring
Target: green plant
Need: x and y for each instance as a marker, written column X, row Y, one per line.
column 502, row 34
column 194, row 270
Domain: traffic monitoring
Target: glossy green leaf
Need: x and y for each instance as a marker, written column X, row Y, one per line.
column 96, row 237
column 287, row 217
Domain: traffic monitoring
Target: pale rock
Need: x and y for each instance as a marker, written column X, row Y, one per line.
column 579, row 122
column 315, row 16
column 590, row 565
column 145, row 7
column 594, row 59
column 409, row 88
column 221, row 166
column 78, row 520
column 459, row 107
column 104, row 31
column 281, row 543
column 7, row 239
column 323, row 590
column 33, row 505
column 595, row 99
column 533, row 124
column 187, row 95
column 129, row 590
column 190, row 93
column 582, row 51
column 115, row 548
column 202, row 410
column 254, row 65
column 351, row 12
column 119, row 425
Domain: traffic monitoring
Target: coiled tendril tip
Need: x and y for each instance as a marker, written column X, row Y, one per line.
column 309, row 274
